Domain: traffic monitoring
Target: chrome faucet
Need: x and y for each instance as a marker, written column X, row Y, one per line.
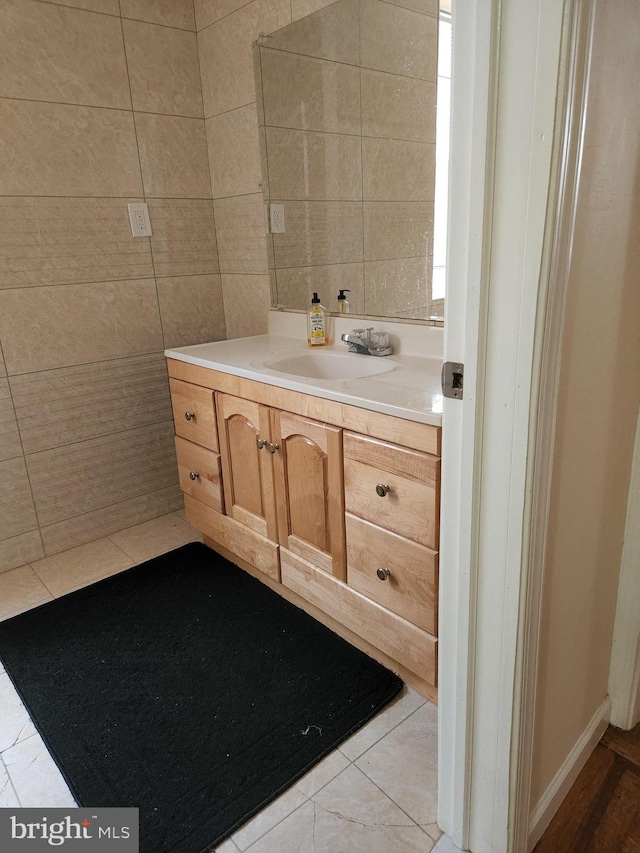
column 367, row 342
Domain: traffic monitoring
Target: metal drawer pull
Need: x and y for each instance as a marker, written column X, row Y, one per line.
column 273, row 447
column 261, row 442
column 382, row 490
column 383, row 574
column 188, row 416
column 194, row 475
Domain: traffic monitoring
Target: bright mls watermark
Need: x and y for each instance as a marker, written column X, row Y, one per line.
column 79, row 830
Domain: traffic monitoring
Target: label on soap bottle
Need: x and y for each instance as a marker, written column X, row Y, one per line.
column 316, row 327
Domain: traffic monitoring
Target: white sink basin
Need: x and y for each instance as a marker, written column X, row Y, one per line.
column 332, row 365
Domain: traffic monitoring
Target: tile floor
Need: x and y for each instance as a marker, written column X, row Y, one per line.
column 375, row 794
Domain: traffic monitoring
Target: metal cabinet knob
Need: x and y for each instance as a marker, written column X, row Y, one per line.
column 188, row 416
column 382, row 490
column 273, row 447
column 194, row 475
column 383, row 574
column 261, row 442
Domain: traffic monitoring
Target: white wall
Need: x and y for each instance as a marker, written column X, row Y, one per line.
column 598, row 403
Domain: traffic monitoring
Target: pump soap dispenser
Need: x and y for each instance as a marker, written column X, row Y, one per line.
column 316, row 324
column 343, row 305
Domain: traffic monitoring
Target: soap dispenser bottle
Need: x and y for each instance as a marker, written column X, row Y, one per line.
column 316, row 324
column 343, row 305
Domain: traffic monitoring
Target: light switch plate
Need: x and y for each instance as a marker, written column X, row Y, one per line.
column 139, row 219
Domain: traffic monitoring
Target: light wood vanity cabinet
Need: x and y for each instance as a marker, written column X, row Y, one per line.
column 322, row 501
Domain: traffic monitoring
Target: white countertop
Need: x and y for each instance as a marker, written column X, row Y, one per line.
column 411, row 389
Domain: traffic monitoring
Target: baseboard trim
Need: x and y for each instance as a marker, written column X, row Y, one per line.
column 567, row 774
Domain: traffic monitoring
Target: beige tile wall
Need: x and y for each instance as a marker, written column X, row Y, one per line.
column 346, row 119
column 100, row 104
column 226, row 31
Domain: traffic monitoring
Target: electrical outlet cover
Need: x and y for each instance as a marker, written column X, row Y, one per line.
column 139, row 219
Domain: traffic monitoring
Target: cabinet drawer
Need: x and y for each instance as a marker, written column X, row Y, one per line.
column 411, row 587
column 194, row 413
column 199, row 472
column 406, row 644
column 393, row 486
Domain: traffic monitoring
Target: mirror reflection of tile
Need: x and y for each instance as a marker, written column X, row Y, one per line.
column 346, row 102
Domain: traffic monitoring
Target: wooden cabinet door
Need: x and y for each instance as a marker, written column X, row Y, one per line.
column 247, row 470
column 309, row 490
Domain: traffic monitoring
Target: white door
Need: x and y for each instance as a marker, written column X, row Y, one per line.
column 506, row 61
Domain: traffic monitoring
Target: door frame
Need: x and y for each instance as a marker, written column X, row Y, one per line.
column 506, row 75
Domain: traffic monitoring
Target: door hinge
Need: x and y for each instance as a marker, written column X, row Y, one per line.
column 453, row 379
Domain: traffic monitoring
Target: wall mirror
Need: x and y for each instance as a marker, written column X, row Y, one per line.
column 352, row 107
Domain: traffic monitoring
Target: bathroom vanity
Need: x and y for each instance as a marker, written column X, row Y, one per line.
column 319, row 473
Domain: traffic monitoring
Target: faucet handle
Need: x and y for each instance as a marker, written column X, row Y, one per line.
column 379, row 340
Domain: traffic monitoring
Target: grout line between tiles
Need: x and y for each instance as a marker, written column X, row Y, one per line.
column 117, row 14
column 230, row 274
column 120, row 548
column 43, row 583
column 108, row 506
column 105, row 281
column 255, row 840
column 98, row 197
column 351, row 263
column 24, row 455
column 85, row 363
column 93, row 438
column 388, row 732
column 76, row 9
column 142, row 181
column 156, row 24
column 362, row 202
column 351, row 64
column 101, row 106
column 235, row 195
column 364, row 772
column 320, row 132
column 359, row 201
column 213, row 210
column 385, row 794
column 228, row 15
column 231, row 110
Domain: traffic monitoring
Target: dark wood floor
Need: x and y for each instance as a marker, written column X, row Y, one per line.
column 601, row 813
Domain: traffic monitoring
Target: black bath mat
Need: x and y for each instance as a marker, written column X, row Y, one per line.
column 188, row 689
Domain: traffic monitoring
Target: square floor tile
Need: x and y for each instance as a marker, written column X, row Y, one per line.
column 322, row 773
column 81, row 566
column 151, row 538
column 20, row 590
column 404, row 764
